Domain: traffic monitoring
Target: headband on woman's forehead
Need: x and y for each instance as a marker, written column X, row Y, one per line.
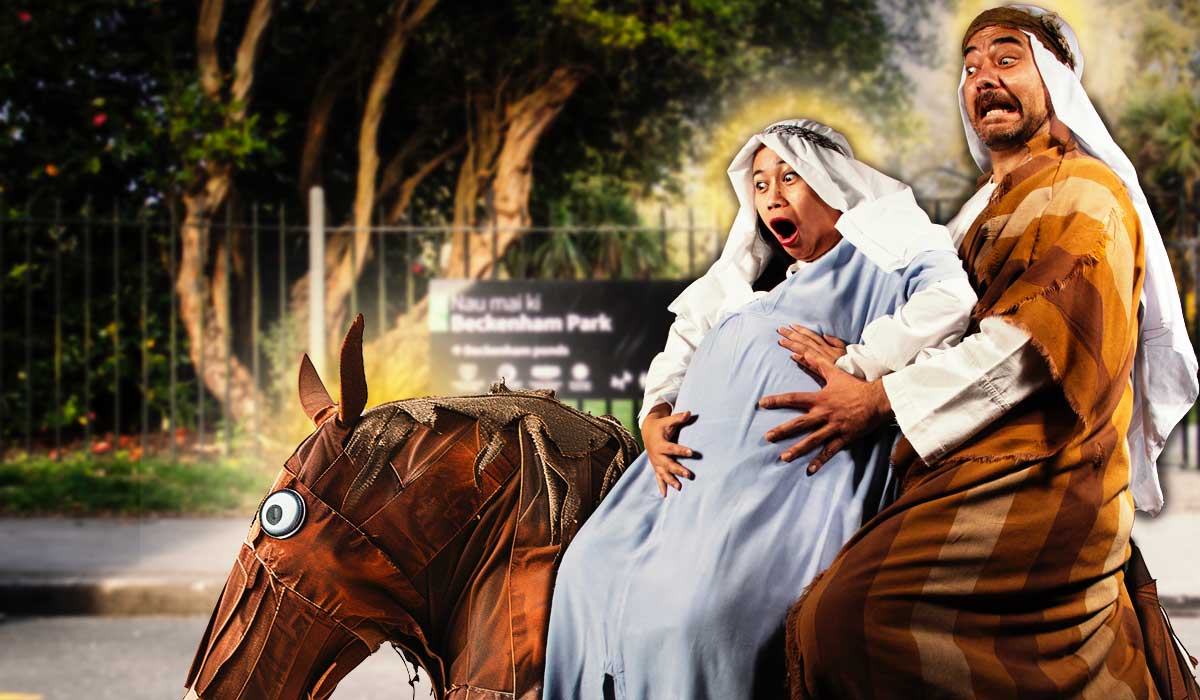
column 808, row 135
column 1046, row 27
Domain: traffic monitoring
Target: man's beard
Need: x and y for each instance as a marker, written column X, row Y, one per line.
column 1014, row 135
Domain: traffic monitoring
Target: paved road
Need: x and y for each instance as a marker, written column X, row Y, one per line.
column 144, row 658
column 141, row 658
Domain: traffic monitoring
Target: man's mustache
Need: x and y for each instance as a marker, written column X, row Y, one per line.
column 992, row 99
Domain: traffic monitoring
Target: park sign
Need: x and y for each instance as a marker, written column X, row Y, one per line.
column 590, row 341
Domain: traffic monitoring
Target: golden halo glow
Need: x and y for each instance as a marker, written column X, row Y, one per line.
column 755, row 114
column 1102, row 30
column 1077, row 14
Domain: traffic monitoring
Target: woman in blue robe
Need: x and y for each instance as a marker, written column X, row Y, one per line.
column 682, row 596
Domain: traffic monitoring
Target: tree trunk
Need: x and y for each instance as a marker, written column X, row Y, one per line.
column 485, row 131
column 205, row 319
column 208, row 27
column 408, row 186
column 329, row 88
column 205, row 323
column 526, row 120
column 247, row 56
column 346, row 257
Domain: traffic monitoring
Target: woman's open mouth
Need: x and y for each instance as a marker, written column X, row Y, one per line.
column 785, row 231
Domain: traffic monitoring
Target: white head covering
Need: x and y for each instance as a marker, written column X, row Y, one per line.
column 880, row 216
column 1164, row 372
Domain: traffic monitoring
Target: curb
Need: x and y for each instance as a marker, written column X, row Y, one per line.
column 109, row 596
column 1181, row 605
column 126, row 596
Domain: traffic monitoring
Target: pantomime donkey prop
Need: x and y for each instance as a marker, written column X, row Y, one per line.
column 434, row 524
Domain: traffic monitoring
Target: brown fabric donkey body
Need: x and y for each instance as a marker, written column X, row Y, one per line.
column 434, row 524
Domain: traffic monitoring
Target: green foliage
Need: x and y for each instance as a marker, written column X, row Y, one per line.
column 1167, row 130
column 281, row 345
column 604, row 253
column 80, row 484
column 1160, row 126
column 101, row 345
column 612, row 29
column 590, row 196
column 1166, row 45
column 619, row 249
column 104, row 101
column 665, row 74
column 113, row 92
column 190, row 130
column 72, row 76
column 694, row 28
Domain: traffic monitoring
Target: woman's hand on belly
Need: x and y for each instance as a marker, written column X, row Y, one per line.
column 800, row 340
column 659, row 432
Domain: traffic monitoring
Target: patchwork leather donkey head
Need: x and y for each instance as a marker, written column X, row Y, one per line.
column 434, row 524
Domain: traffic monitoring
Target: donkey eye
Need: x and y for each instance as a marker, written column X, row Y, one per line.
column 282, row 514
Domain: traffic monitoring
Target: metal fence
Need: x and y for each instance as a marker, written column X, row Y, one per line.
column 93, row 353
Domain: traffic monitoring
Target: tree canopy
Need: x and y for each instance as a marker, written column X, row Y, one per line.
column 1160, row 126
column 108, row 99
column 489, row 117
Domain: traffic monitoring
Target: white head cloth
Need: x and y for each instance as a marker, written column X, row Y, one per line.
column 880, row 217
column 1164, row 372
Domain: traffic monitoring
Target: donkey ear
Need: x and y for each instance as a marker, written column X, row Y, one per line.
column 354, row 378
column 314, row 398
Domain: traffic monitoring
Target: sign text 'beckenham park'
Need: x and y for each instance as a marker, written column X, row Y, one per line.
column 583, row 339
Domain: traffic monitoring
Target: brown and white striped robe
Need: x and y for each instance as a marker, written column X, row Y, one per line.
column 997, row 571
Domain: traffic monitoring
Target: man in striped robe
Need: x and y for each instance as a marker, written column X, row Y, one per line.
column 997, row 572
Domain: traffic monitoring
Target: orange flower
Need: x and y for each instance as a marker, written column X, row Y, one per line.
column 52, row 170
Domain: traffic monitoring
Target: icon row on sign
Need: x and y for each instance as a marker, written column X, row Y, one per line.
column 542, row 377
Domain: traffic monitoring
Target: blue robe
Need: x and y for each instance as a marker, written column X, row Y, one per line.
column 685, row 597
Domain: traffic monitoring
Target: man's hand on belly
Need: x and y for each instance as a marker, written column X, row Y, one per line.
column 845, row 409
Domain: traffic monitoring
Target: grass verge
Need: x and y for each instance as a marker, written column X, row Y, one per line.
column 82, row 484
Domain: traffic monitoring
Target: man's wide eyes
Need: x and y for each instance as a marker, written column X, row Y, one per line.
column 1006, row 61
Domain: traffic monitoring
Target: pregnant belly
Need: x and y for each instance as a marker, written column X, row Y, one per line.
column 732, row 370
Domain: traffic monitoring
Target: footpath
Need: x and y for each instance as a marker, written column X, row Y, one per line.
column 115, row 566
column 177, row 566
